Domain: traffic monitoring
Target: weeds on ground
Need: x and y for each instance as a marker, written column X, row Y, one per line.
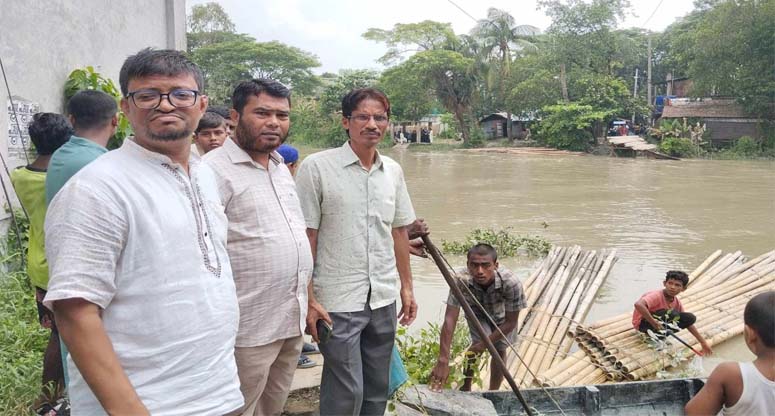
column 420, row 352
column 22, row 340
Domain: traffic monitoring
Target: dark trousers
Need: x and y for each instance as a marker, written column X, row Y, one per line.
column 356, row 362
column 685, row 319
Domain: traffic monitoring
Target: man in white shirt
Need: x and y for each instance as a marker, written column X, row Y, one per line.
column 357, row 210
column 268, row 247
column 140, row 279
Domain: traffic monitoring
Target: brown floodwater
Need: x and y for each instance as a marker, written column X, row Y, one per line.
column 659, row 215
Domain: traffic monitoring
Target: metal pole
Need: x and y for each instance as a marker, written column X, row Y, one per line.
column 458, row 294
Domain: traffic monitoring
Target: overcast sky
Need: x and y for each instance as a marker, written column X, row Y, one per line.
column 332, row 29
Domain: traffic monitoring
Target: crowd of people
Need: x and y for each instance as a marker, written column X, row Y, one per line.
column 180, row 272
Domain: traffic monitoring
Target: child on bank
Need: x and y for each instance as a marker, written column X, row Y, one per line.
column 745, row 388
column 660, row 306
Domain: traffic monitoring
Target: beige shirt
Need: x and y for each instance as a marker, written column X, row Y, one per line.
column 354, row 211
column 267, row 244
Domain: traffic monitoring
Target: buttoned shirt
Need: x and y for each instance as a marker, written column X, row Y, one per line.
column 268, row 245
column 145, row 241
column 505, row 294
column 354, row 211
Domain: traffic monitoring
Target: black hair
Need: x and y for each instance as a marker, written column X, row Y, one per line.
column 165, row 62
column 678, row 275
column 353, row 98
column 220, row 110
column 91, row 109
column 49, row 131
column 253, row 88
column 210, row 120
column 759, row 315
column 483, row 249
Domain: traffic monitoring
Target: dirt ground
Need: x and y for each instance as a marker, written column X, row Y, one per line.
column 303, row 402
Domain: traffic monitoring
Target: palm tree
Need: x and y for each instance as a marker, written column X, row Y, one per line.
column 501, row 39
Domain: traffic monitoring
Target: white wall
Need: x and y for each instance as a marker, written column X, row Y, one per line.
column 42, row 41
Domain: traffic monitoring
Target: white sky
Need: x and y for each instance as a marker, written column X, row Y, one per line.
column 332, row 29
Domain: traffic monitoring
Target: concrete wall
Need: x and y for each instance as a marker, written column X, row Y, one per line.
column 42, row 41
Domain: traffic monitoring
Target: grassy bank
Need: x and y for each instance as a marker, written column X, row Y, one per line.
column 22, row 345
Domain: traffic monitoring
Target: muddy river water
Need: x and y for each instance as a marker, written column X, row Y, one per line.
column 659, row 215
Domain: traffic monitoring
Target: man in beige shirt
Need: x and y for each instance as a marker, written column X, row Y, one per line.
column 267, row 244
column 357, row 210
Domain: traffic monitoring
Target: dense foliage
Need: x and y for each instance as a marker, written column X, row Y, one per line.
column 506, row 243
column 22, row 339
column 571, row 80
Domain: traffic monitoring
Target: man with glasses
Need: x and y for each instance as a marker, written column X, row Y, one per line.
column 141, row 283
column 357, row 210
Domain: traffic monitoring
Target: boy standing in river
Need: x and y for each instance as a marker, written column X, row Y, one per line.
column 661, row 306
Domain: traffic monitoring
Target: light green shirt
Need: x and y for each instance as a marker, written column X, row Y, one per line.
column 30, row 188
column 354, row 211
column 68, row 160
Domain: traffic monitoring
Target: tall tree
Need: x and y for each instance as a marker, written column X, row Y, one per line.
column 499, row 35
column 408, row 38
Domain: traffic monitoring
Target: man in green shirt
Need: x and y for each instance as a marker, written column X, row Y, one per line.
column 93, row 115
column 48, row 131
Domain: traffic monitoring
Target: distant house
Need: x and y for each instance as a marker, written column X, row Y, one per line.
column 724, row 117
column 495, row 125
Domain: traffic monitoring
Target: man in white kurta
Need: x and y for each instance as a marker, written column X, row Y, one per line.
column 141, row 283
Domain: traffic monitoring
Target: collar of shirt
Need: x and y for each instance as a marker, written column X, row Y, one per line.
column 348, row 157
column 130, row 145
column 237, row 155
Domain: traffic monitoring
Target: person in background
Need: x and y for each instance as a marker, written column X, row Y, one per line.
column 48, row 132
column 223, row 112
column 94, row 116
column 290, row 157
column 210, row 133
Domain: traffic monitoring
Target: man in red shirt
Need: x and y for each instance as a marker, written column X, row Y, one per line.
column 660, row 306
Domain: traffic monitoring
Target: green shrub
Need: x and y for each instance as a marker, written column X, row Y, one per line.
column 505, row 242
column 88, row 79
column 22, row 340
column 421, row 352
column 678, row 147
column 569, row 126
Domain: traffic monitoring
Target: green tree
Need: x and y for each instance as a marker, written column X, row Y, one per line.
column 569, row 126
column 207, row 24
column 346, row 80
column 407, row 38
column 410, row 99
column 450, row 76
column 501, row 39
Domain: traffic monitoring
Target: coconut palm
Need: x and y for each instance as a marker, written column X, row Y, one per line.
column 502, row 40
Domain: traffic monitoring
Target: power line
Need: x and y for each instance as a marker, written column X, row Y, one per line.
column 652, row 14
column 464, row 12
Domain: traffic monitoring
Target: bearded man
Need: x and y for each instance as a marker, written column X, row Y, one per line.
column 268, row 246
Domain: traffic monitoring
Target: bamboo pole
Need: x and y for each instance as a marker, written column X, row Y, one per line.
column 704, row 266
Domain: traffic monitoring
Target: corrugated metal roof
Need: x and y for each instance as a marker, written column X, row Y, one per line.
column 717, row 108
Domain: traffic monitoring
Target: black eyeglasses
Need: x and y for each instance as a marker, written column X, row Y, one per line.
column 151, row 99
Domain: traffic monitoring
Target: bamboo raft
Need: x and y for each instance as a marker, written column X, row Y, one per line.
column 559, row 294
column 611, row 350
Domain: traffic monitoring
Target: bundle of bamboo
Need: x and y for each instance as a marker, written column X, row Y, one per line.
column 559, row 294
column 718, row 290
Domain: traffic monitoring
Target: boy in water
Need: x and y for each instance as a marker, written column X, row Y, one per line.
column 659, row 306
column 745, row 388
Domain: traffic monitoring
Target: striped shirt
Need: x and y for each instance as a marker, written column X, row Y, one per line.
column 267, row 244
